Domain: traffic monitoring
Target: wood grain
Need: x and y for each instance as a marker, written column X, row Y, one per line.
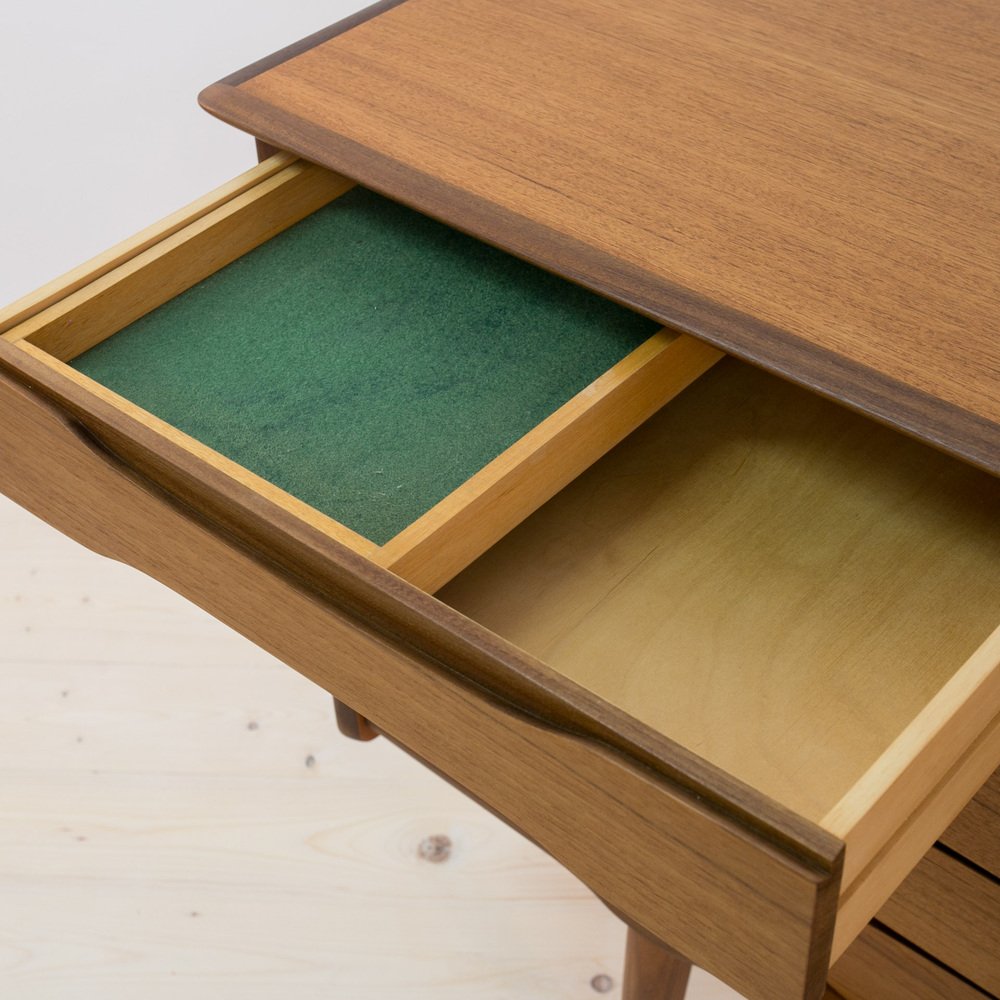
column 975, row 834
column 772, row 581
column 879, row 967
column 764, row 914
column 952, row 912
column 807, row 185
column 653, row 972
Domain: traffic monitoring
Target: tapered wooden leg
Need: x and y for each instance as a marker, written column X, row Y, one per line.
column 652, row 971
column 357, row 727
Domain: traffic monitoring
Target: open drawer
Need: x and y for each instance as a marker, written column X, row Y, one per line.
column 410, row 391
column 805, row 599
column 737, row 676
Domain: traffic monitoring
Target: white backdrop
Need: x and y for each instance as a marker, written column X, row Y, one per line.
column 99, row 123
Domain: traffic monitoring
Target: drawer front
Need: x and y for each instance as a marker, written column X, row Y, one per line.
column 880, row 967
column 951, row 911
column 650, row 837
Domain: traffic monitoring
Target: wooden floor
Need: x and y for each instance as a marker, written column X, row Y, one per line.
column 179, row 818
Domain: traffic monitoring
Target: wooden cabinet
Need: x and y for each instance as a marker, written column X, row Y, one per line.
column 656, row 649
column 726, row 649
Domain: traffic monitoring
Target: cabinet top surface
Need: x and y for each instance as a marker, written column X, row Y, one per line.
column 812, row 186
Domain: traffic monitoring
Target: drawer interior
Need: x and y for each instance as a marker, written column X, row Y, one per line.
column 369, row 362
column 795, row 594
column 769, row 579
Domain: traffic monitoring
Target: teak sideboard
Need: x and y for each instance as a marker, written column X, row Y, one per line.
column 601, row 400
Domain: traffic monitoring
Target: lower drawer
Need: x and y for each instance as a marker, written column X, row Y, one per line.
column 938, row 936
column 975, row 834
column 744, row 666
column 879, row 966
column 951, row 911
column 790, row 599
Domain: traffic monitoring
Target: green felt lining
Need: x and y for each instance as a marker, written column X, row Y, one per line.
column 368, row 360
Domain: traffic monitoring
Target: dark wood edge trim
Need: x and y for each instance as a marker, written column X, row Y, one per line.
column 309, row 42
column 387, row 606
column 904, row 407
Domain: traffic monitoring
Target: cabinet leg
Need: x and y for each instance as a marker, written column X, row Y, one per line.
column 357, row 727
column 653, row 971
column 264, row 150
